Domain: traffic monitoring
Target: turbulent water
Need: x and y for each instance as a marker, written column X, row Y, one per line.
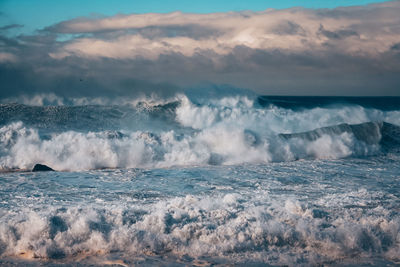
column 200, row 180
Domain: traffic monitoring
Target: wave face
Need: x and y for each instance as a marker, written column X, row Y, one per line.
column 194, row 130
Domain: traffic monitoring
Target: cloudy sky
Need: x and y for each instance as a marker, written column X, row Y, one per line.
column 128, row 48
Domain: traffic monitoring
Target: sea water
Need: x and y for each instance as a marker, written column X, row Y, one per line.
column 202, row 180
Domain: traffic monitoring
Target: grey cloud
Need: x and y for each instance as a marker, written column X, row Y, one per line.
column 70, row 80
column 8, row 42
column 10, row 26
column 192, row 31
column 395, row 47
column 289, row 27
column 338, row 35
column 152, row 31
column 195, row 32
column 266, row 72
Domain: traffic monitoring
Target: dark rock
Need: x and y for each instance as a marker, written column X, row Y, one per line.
column 57, row 224
column 215, row 159
column 41, row 168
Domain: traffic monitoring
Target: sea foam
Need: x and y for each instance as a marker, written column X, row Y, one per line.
column 230, row 226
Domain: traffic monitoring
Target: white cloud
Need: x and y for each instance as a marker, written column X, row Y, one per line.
column 363, row 31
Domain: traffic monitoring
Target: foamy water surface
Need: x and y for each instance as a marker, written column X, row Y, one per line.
column 192, row 181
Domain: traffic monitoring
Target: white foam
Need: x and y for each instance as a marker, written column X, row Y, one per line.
column 228, row 226
column 22, row 148
column 69, row 150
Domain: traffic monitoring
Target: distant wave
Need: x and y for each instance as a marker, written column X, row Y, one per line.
column 302, row 102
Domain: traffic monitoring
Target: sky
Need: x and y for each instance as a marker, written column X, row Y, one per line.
column 103, row 48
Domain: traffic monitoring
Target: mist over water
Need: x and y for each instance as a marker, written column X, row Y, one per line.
column 198, row 178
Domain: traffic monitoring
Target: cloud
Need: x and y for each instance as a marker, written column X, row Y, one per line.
column 7, row 57
column 288, row 28
column 395, row 46
column 10, row 26
column 342, row 51
column 296, row 30
column 339, row 34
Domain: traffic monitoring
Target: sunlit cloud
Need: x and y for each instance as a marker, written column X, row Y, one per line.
column 354, row 30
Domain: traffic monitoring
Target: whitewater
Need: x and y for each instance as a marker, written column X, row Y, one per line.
column 201, row 179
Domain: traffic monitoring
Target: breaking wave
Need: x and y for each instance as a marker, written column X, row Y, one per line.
column 190, row 131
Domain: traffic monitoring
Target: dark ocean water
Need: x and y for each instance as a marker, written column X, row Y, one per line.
column 299, row 102
column 194, row 180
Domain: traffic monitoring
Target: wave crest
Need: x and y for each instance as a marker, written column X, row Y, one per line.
column 22, row 147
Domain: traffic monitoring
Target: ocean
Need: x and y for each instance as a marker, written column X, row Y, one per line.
column 202, row 179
